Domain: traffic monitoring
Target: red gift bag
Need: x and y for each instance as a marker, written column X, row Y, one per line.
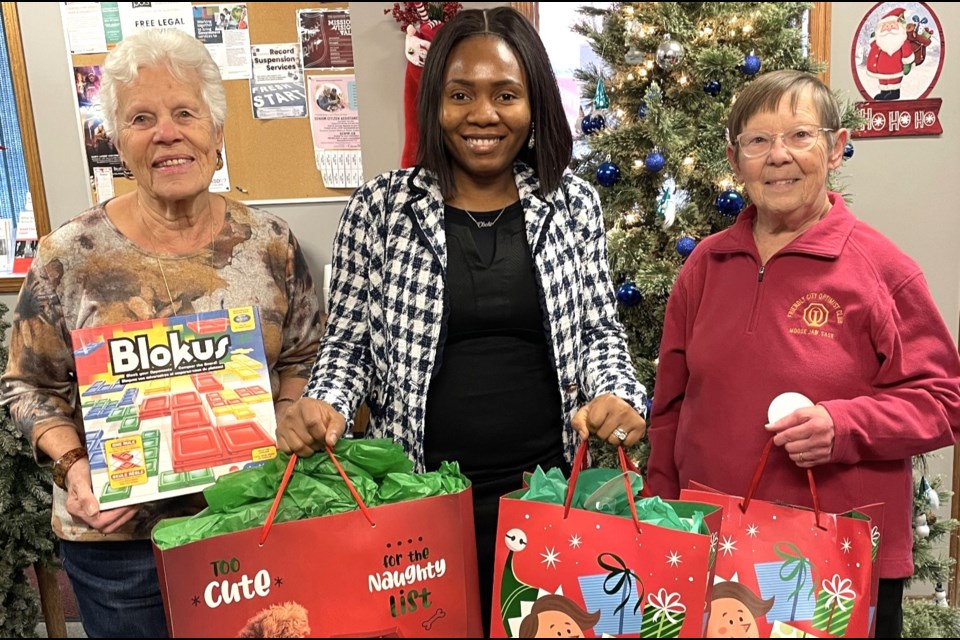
column 790, row 571
column 407, row 569
column 592, row 573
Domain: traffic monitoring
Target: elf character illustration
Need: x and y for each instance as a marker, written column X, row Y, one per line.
column 556, row 616
column 891, row 56
column 734, row 610
column 286, row 620
column 513, row 591
column 415, row 48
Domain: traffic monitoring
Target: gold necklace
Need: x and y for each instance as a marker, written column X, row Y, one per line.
column 486, row 224
column 156, row 254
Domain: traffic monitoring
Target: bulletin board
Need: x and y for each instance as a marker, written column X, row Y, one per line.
column 267, row 160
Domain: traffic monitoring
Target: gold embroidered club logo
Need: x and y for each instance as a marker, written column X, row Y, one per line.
column 816, row 314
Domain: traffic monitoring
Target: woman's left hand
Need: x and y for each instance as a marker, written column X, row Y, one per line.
column 806, row 435
column 612, row 419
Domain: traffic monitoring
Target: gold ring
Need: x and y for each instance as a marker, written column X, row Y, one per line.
column 620, row 434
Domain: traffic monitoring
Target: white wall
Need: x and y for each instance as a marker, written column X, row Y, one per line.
column 909, row 188
column 380, row 65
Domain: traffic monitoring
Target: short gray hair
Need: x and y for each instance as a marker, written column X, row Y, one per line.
column 765, row 93
column 171, row 48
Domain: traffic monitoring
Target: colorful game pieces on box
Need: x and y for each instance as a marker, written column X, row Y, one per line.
column 171, row 403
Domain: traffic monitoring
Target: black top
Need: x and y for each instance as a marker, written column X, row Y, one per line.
column 494, row 404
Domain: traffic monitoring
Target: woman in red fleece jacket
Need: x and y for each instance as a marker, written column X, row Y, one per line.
column 801, row 296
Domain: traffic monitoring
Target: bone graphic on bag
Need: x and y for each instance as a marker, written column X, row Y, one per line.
column 429, row 622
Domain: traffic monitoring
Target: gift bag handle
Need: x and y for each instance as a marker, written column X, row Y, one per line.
column 285, row 480
column 579, row 462
column 758, row 473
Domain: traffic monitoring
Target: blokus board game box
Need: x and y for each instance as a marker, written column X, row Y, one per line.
column 171, row 404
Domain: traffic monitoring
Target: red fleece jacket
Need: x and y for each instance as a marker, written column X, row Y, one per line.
column 839, row 315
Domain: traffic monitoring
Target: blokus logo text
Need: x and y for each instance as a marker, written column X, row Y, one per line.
column 136, row 356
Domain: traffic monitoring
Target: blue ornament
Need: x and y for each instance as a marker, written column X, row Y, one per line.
column 848, row 150
column 712, row 88
column 608, row 174
column 686, row 245
column 642, row 110
column 629, row 295
column 654, row 162
column 751, row 65
column 649, row 405
column 729, row 203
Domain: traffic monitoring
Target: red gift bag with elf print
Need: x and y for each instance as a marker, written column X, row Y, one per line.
column 791, row 572
column 406, row 569
column 599, row 574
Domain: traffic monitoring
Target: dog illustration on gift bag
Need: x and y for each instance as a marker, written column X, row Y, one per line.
column 285, row 620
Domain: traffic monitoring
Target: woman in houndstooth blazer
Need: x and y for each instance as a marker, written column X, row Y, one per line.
column 471, row 303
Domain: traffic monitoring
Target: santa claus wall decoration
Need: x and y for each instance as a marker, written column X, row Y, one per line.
column 897, row 56
column 419, row 21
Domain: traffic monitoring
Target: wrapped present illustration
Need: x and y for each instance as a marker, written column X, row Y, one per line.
column 663, row 615
column 834, row 605
column 617, row 594
column 790, row 582
column 784, row 630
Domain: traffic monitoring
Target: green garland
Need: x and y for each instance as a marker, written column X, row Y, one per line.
column 922, row 619
column 25, row 533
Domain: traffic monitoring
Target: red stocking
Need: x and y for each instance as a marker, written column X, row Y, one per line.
column 411, row 84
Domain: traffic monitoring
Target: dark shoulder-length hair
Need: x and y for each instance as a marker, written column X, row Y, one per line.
column 553, row 142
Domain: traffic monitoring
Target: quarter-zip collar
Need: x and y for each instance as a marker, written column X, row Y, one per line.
column 824, row 240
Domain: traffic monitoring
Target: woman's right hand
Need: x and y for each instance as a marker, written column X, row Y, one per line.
column 82, row 505
column 308, row 426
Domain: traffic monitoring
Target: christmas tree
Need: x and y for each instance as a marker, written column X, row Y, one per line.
column 25, row 534
column 934, row 618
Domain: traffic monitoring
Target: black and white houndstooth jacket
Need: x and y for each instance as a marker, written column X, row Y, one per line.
column 386, row 327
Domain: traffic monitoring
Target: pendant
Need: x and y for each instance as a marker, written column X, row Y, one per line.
column 485, row 225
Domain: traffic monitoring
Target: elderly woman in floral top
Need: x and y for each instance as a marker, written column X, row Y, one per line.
column 168, row 248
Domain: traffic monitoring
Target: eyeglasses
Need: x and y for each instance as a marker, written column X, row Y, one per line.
column 754, row 144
